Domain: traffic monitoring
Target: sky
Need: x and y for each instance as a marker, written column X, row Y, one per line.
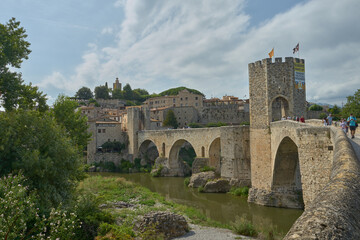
column 201, row 44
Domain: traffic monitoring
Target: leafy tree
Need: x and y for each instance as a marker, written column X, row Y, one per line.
column 141, row 92
column 73, row 122
column 32, row 142
column 13, row 50
column 315, row 107
column 117, row 94
column 128, row 93
column 170, row 120
column 175, row 91
column 335, row 110
column 102, row 92
column 352, row 105
column 84, row 93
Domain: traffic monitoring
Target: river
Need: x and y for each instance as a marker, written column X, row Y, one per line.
column 221, row 207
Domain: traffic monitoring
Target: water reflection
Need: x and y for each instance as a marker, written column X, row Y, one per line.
column 224, row 208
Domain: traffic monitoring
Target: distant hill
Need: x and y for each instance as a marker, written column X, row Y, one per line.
column 175, row 91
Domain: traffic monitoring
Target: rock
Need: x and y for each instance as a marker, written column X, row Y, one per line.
column 234, row 182
column 200, row 179
column 217, row 186
column 92, row 169
column 168, row 224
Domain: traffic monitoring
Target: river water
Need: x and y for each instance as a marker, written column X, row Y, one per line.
column 221, row 207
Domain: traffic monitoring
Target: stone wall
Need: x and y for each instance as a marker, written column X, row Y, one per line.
column 335, row 211
column 226, row 113
column 235, row 152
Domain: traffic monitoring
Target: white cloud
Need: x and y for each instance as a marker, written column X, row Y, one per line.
column 208, row 44
column 107, row 30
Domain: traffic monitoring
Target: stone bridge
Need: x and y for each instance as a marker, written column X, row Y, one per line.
column 291, row 162
column 224, row 148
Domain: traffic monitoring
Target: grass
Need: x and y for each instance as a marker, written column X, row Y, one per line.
column 239, row 191
column 243, row 226
column 113, row 189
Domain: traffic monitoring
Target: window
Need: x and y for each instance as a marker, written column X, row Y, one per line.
column 196, row 98
column 186, row 98
column 99, row 130
column 103, row 130
column 196, row 104
column 180, row 99
column 173, row 100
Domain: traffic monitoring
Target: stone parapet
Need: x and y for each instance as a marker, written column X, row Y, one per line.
column 335, row 212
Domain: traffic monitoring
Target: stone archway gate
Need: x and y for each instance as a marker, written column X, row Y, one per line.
column 234, row 144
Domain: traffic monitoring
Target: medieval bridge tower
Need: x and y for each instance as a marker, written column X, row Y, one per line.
column 276, row 89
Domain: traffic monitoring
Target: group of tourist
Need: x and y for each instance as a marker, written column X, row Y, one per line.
column 351, row 123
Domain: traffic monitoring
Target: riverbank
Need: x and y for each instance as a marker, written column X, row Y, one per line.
column 128, row 203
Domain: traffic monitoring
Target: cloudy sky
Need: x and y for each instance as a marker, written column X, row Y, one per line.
column 201, row 44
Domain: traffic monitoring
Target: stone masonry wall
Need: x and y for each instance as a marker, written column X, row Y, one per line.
column 335, row 211
column 235, row 152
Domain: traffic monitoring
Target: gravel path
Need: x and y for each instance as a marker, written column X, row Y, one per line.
column 208, row 233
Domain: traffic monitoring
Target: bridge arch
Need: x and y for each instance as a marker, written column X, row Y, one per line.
column 148, row 152
column 214, row 154
column 286, row 174
column 175, row 161
column 279, row 108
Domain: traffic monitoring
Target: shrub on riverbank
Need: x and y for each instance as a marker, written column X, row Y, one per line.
column 239, row 191
column 244, row 227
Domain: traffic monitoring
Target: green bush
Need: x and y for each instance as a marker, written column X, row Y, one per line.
column 125, row 166
column 207, row 169
column 186, row 181
column 315, row 107
column 195, row 125
column 240, row 191
column 244, row 227
column 201, row 189
column 114, row 146
column 245, row 123
column 91, row 216
column 218, row 124
column 322, row 115
column 158, row 171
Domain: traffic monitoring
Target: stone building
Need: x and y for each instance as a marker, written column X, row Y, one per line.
column 183, row 99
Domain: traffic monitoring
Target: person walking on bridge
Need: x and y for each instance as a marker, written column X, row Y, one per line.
column 352, row 124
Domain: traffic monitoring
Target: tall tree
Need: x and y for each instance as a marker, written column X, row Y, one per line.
column 74, row 123
column 352, row 105
column 102, row 92
column 13, row 50
column 127, row 91
column 117, row 94
column 84, row 93
column 170, row 120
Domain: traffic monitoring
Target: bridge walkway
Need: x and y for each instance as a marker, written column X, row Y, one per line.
column 356, row 143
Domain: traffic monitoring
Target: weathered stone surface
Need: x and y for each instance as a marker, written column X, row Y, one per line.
column 235, row 182
column 217, row 186
column 199, row 163
column 335, row 212
column 169, row 224
column 200, row 179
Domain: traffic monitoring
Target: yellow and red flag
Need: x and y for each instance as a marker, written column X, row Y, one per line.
column 271, row 54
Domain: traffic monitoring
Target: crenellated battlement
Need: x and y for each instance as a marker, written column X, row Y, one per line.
column 266, row 61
